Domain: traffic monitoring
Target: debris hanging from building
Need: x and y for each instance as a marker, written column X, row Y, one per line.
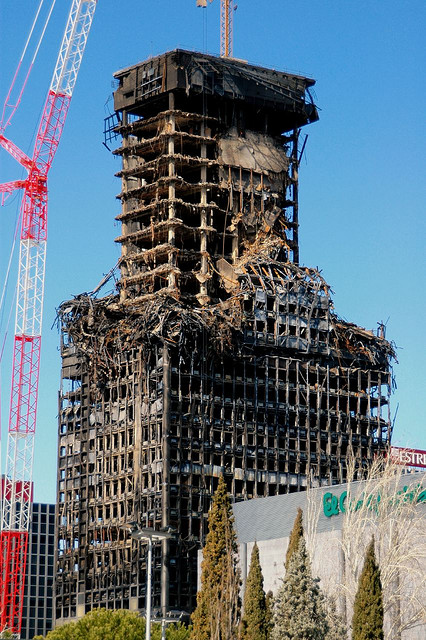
column 219, row 354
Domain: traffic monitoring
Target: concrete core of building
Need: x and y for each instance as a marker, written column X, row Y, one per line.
column 220, row 354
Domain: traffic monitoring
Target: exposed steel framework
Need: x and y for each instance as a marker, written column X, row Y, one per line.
column 17, row 487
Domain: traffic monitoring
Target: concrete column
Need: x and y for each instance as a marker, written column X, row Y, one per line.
column 171, row 128
column 124, row 250
column 203, row 224
column 295, row 198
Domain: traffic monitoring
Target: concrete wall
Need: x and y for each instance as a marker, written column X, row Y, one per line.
column 264, row 519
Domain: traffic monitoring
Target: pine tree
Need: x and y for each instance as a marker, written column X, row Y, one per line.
column 336, row 625
column 299, row 605
column 367, row 621
column 295, row 536
column 254, row 625
column 216, row 616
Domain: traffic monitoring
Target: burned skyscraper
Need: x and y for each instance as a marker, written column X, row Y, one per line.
column 219, row 355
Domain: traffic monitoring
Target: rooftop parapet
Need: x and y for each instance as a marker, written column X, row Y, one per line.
column 143, row 88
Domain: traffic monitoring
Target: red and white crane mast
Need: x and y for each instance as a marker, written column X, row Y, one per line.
column 17, row 486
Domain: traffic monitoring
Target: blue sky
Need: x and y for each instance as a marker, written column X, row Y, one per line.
column 362, row 186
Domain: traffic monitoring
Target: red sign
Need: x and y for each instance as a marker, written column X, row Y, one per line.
column 409, row 457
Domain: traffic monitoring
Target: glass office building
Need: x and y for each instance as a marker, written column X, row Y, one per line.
column 38, row 597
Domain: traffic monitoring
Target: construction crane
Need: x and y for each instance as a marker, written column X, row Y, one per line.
column 17, row 483
column 227, row 8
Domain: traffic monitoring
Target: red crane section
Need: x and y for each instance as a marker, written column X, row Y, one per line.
column 17, row 484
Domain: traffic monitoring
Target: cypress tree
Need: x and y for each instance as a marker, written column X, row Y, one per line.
column 295, row 536
column 216, row 616
column 367, row 621
column 269, row 601
column 254, row 624
column 299, row 605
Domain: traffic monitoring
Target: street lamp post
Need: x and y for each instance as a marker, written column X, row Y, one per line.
column 150, row 535
column 172, row 619
column 148, row 591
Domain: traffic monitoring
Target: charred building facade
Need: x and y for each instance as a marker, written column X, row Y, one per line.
column 219, row 355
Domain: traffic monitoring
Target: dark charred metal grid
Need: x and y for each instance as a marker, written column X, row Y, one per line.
column 220, row 356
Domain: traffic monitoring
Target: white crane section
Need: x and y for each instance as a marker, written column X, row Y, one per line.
column 17, row 487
